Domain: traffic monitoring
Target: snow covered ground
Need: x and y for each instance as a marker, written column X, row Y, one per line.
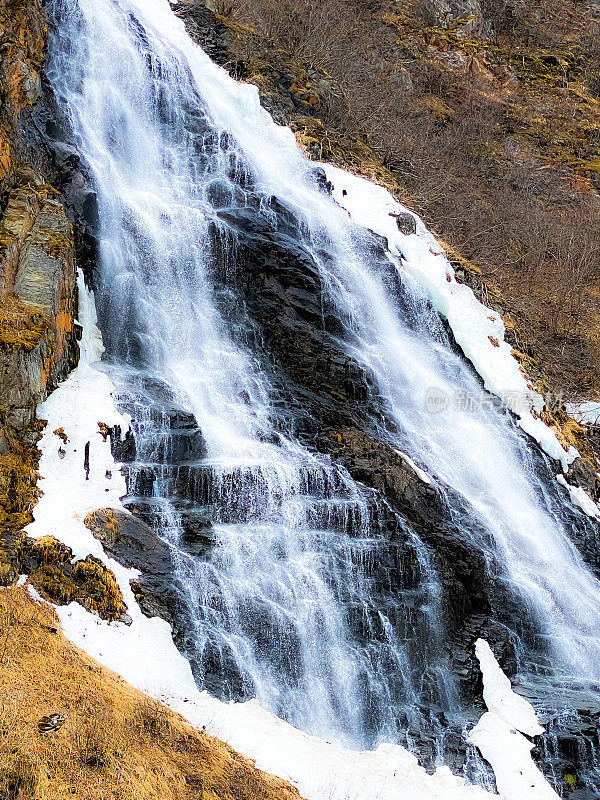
column 587, row 412
column 580, row 498
column 144, row 654
column 499, row 734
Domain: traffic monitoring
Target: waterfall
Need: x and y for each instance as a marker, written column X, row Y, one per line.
column 282, row 604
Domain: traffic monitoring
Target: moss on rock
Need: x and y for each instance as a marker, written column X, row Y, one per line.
column 21, row 325
column 88, row 582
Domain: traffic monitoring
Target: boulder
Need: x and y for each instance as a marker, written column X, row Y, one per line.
column 133, row 543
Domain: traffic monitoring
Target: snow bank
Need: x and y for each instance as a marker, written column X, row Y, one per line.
column 580, row 498
column 499, row 734
column 478, row 331
column 143, row 653
column 499, row 696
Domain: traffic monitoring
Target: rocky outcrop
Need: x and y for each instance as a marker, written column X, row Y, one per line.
column 22, row 51
column 37, row 274
column 52, row 571
column 37, row 270
column 133, row 543
column 38, row 334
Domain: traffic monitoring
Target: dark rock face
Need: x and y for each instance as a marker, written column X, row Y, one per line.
column 133, row 543
column 328, row 400
column 281, row 287
column 321, row 394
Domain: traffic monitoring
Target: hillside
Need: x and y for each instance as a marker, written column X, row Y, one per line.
column 70, row 728
column 484, row 117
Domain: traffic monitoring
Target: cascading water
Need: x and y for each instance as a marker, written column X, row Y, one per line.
column 179, row 153
column 292, row 533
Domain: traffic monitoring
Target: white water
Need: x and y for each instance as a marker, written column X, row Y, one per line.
column 168, row 136
column 143, row 653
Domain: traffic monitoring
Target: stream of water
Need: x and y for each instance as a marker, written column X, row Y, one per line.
column 283, row 600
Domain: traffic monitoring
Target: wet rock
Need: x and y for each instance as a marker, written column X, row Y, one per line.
column 122, row 447
column 282, row 292
column 133, row 543
column 320, row 177
column 197, row 532
column 204, row 26
column 407, row 224
column 500, row 637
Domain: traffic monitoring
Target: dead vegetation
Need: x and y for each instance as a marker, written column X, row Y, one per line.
column 21, row 326
column 488, row 125
column 18, row 480
column 99, row 739
column 88, row 582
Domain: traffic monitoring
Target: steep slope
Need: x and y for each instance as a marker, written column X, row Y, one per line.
column 323, row 394
column 71, row 728
column 484, row 117
column 114, row 741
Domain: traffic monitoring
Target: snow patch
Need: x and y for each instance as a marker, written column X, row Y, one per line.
column 499, row 696
column 499, row 734
column 144, row 654
column 586, row 413
column 580, row 498
column 34, row 594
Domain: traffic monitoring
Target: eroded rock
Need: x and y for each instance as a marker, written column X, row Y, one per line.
column 133, row 543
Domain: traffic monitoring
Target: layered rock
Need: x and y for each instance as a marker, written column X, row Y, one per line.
column 23, row 29
column 38, row 331
column 133, row 543
column 37, row 271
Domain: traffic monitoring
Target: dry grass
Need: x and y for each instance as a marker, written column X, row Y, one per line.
column 115, row 743
column 21, row 325
column 491, row 133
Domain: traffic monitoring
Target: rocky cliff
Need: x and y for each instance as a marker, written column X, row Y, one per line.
column 322, row 394
column 38, row 301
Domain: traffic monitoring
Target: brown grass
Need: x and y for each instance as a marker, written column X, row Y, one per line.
column 20, row 325
column 115, row 743
column 491, row 133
